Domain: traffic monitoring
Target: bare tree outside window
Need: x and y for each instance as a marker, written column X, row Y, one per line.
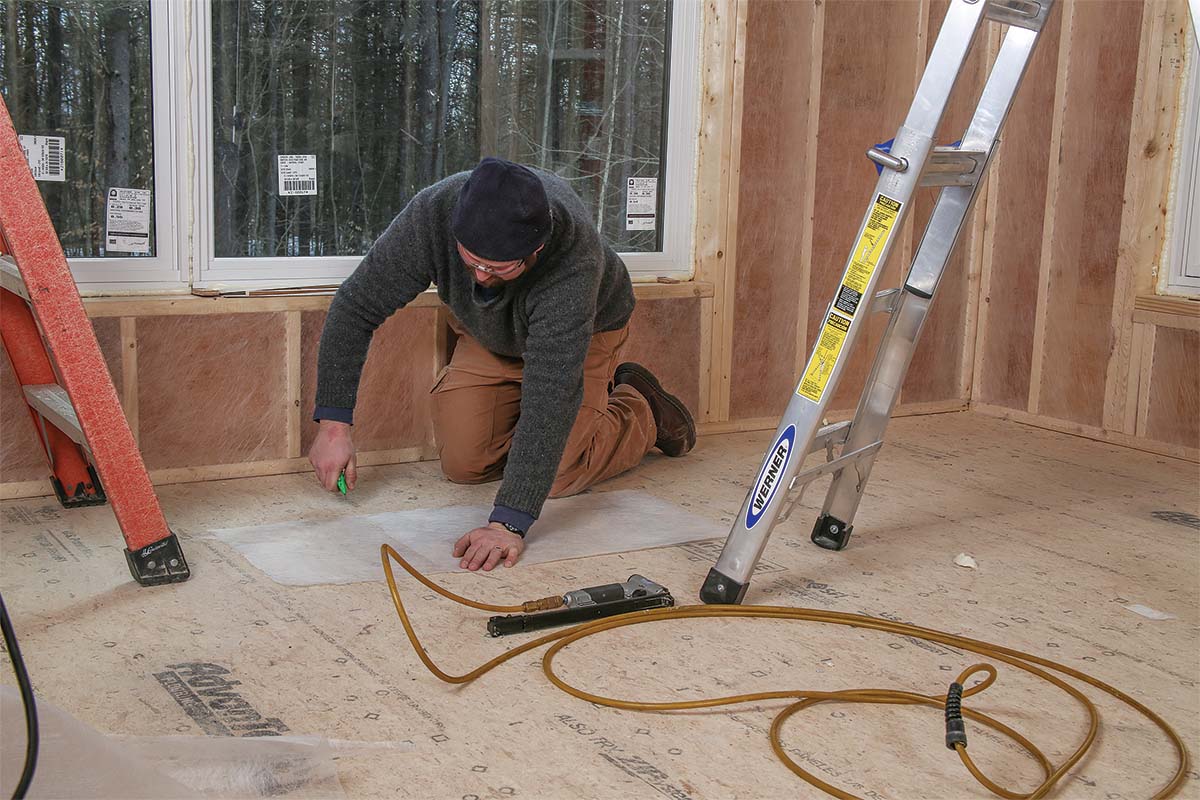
column 391, row 96
column 80, row 70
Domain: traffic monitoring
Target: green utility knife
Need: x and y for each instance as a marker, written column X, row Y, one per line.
column 341, row 484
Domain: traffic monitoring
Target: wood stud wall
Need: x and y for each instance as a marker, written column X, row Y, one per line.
column 218, row 389
column 1151, row 152
column 1011, row 253
column 1044, row 315
column 1091, row 366
column 947, row 350
column 1035, row 318
column 815, row 101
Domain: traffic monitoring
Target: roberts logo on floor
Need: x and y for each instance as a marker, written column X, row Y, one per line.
column 768, row 478
column 207, row 696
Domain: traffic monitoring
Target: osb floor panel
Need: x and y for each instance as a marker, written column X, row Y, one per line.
column 1063, row 529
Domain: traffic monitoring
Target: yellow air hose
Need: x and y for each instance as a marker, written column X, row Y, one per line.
column 804, row 698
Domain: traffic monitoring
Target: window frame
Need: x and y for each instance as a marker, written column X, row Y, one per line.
column 161, row 271
column 680, row 156
column 1183, row 236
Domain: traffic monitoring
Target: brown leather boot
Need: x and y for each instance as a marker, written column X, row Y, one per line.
column 676, row 429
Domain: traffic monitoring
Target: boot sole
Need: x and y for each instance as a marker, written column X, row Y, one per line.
column 649, row 378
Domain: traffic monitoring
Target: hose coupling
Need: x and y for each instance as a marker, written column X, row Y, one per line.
column 545, row 604
column 956, row 732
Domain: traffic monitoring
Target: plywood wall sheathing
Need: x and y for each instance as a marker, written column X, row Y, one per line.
column 1173, row 408
column 1103, row 91
column 212, row 390
column 866, row 93
column 775, row 202
column 1070, row 377
column 815, row 101
column 665, row 336
column 942, row 359
column 1016, row 211
column 393, row 410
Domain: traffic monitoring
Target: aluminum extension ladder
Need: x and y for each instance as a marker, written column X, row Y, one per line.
column 912, row 162
column 58, row 364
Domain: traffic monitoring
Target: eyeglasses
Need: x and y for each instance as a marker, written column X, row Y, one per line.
column 499, row 272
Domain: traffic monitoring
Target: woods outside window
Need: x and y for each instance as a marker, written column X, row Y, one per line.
column 81, row 83
column 302, row 127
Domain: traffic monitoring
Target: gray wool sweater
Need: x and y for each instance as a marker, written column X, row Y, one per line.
column 577, row 287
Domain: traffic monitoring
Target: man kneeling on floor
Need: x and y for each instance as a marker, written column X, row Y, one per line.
column 533, row 392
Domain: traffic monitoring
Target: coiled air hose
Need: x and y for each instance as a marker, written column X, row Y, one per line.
column 951, row 702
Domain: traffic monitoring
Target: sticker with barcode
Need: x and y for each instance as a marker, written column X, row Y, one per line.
column 297, row 175
column 47, row 157
column 641, row 204
column 128, row 221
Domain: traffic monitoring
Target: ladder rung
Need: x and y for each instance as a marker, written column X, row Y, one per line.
column 10, row 277
column 51, row 401
column 832, row 434
column 885, row 301
column 1022, row 13
column 950, row 166
column 836, row 464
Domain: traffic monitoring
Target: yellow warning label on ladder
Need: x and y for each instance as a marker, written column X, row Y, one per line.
column 867, row 252
column 824, row 357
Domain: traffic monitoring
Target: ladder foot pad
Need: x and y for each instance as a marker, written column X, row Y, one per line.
column 720, row 589
column 158, row 563
column 831, row 533
column 83, row 494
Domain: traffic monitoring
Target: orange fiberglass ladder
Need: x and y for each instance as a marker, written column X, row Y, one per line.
column 54, row 354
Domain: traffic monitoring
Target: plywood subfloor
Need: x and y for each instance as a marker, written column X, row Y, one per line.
column 1064, row 530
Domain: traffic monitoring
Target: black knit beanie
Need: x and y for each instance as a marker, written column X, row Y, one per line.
column 502, row 212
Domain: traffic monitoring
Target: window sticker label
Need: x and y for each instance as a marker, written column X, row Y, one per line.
column 297, row 175
column 46, row 156
column 641, row 204
column 128, row 221
column 875, row 235
column 824, row 358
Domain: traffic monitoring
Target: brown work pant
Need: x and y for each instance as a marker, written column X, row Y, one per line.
column 477, row 400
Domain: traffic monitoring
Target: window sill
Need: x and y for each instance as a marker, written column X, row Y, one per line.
column 1167, row 311
column 182, row 305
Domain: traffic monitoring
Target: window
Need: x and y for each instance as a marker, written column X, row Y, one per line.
column 1183, row 250
column 78, row 82
column 328, row 115
column 280, row 137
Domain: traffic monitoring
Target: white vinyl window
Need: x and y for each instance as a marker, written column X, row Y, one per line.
column 319, row 119
column 1182, row 277
column 88, row 86
column 278, row 138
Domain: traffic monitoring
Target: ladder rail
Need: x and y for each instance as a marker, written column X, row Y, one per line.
column 50, row 342
column 896, row 350
column 10, row 277
column 904, row 170
column 983, row 133
column 27, row 357
column 52, row 403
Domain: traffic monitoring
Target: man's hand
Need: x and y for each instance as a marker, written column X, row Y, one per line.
column 332, row 452
column 485, row 547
